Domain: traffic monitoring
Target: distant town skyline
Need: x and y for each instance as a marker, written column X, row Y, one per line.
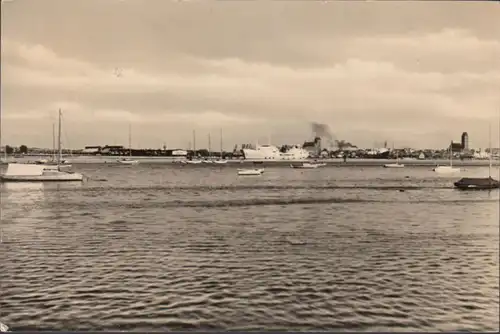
column 416, row 74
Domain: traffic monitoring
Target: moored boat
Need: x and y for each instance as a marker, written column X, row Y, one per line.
column 250, row 172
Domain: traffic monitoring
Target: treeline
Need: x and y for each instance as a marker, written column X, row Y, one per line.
column 23, row 149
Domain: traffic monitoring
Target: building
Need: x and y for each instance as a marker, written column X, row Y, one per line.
column 465, row 141
column 313, row 147
column 455, row 147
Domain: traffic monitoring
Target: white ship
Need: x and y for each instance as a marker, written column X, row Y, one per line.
column 272, row 153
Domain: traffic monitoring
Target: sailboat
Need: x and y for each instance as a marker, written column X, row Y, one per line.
column 40, row 173
column 447, row 169
column 209, row 159
column 397, row 164
column 194, row 159
column 129, row 161
column 53, row 163
column 221, row 160
column 479, row 183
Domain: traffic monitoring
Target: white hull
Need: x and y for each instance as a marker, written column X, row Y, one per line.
column 272, row 153
column 306, row 165
column 220, row 162
column 128, row 162
column 250, row 172
column 394, row 166
column 193, row 162
column 54, row 167
column 446, row 170
column 37, row 173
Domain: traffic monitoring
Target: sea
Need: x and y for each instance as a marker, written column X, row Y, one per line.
column 190, row 247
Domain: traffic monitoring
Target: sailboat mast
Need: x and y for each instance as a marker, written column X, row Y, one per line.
column 59, row 142
column 209, row 145
column 130, row 140
column 54, row 141
column 451, row 153
column 491, row 153
column 221, row 143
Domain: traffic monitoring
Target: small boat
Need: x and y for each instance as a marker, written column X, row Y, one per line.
column 446, row 170
column 220, row 162
column 40, row 172
column 250, row 172
column 193, row 162
column 477, row 183
column 306, row 165
column 396, row 165
column 128, row 161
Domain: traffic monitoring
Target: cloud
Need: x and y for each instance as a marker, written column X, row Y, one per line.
column 387, row 82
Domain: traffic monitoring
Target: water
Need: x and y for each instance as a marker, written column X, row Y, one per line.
column 190, row 247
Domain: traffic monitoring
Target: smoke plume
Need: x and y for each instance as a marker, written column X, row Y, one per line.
column 323, row 131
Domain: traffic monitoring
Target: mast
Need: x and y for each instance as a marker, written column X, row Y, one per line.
column 53, row 141
column 209, row 145
column 130, row 140
column 59, row 143
column 451, row 154
column 491, row 153
column 221, row 143
column 194, row 143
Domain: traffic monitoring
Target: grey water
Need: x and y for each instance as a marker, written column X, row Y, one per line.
column 165, row 247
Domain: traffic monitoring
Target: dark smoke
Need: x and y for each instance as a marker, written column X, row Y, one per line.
column 323, row 131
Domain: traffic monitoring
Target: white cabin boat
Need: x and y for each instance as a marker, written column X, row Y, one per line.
column 40, row 172
column 37, row 173
column 220, row 162
column 250, row 172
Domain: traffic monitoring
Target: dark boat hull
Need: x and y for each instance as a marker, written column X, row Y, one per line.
column 477, row 184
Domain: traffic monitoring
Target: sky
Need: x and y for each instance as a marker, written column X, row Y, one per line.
column 414, row 74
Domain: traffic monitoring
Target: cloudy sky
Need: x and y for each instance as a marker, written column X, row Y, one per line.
column 413, row 73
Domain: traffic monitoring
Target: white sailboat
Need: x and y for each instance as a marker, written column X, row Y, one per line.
column 39, row 172
column 194, row 159
column 221, row 160
column 53, row 163
column 397, row 164
column 209, row 160
column 129, row 161
column 447, row 169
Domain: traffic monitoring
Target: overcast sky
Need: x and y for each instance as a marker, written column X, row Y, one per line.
column 413, row 73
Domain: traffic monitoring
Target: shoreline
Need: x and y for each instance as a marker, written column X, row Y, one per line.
column 330, row 162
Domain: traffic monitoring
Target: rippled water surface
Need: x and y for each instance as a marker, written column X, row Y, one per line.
column 187, row 247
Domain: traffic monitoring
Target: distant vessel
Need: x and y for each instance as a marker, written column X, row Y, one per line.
column 272, row 153
column 40, row 172
column 221, row 160
column 129, row 161
column 397, row 164
column 251, row 172
column 447, row 169
column 479, row 183
column 307, row 165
